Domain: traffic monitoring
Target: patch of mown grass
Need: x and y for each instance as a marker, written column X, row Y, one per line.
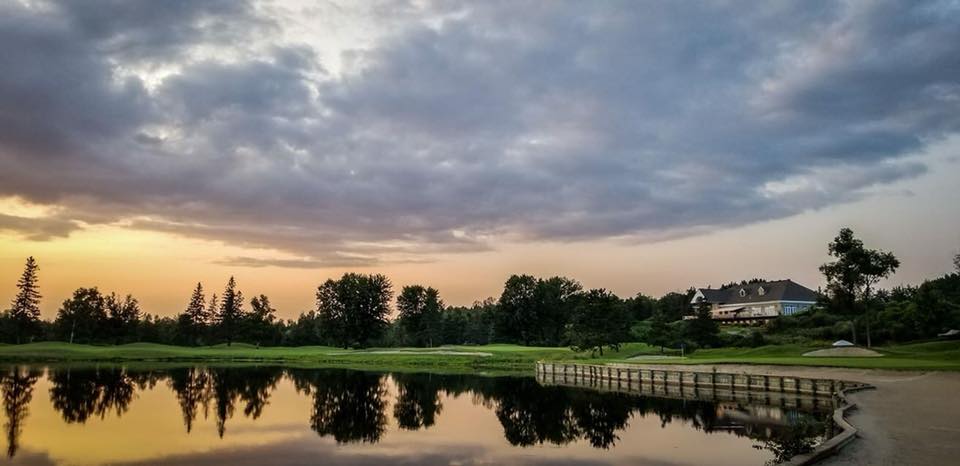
column 501, row 358
column 940, row 355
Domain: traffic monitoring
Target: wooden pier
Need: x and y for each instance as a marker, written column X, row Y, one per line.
column 789, row 391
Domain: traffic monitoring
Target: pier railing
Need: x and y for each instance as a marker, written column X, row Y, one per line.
column 782, row 390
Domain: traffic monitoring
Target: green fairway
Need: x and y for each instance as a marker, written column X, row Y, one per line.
column 486, row 358
column 940, row 355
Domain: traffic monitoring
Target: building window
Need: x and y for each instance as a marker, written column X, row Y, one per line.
column 789, row 309
column 743, row 292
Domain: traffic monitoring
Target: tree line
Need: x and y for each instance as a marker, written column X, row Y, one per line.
column 356, row 310
column 352, row 311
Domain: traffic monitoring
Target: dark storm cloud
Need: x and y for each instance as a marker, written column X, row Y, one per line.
column 529, row 120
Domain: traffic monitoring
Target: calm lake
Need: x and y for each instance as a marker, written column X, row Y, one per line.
column 285, row 416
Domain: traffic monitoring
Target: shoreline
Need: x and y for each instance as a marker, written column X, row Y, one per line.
column 910, row 417
column 926, row 356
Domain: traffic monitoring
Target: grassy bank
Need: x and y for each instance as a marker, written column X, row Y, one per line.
column 486, row 358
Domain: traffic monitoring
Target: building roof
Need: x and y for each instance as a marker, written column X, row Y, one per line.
column 780, row 290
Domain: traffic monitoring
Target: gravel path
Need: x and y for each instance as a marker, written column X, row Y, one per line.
column 912, row 418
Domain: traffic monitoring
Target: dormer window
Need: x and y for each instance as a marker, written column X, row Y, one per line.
column 743, row 292
column 761, row 291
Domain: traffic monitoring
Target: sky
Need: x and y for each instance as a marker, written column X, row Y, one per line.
column 638, row 146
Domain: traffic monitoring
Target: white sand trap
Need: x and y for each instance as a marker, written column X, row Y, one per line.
column 847, row 352
column 449, row 353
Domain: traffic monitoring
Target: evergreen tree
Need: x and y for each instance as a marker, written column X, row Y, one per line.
column 212, row 309
column 660, row 333
column 25, row 308
column 193, row 321
column 196, row 309
column 703, row 330
column 231, row 311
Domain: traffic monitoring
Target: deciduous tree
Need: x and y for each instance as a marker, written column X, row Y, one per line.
column 517, row 317
column 420, row 314
column 83, row 317
column 851, row 277
column 353, row 310
column 260, row 321
column 123, row 316
column 598, row 319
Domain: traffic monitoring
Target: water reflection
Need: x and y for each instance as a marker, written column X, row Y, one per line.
column 347, row 405
column 16, row 384
column 79, row 394
column 352, row 407
column 418, row 401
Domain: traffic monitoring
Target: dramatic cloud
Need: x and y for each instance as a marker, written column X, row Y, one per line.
column 463, row 124
column 37, row 229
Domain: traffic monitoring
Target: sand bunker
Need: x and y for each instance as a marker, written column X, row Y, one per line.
column 847, row 352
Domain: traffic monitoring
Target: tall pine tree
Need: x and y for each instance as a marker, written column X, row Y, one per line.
column 193, row 321
column 212, row 309
column 231, row 311
column 25, row 308
column 197, row 310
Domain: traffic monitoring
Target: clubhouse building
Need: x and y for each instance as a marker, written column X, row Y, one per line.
column 756, row 302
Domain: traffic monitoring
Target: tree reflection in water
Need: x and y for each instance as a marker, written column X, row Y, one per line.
column 351, row 406
column 418, row 400
column 194, row 389
column 16, row 384
column 80, row 393
column 801, row 438
column 347, row 405
column 225, row 387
